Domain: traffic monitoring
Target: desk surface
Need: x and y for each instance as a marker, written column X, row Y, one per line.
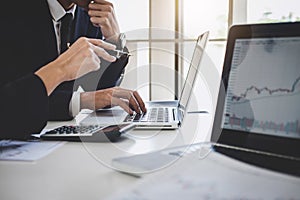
column 82, row 170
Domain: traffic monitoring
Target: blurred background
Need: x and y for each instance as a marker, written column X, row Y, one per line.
column 162, row 33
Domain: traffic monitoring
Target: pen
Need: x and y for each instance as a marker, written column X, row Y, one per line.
column 118, row 53
column 197, row 112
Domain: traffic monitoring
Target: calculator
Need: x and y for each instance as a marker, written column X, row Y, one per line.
column 92, row 133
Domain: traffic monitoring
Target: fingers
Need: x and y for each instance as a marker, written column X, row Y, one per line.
column 103, row 54
column 128, row 100
column 133, row 97
column 84, row 56
column 98, row 46
column 102, row 15
column 97, row 62
column 133, row 103
column 95, row 13
column 140, row 101
column 103, row 44
column 101, row 21
column 101, row 4
column 118, row 102
column 103, row 10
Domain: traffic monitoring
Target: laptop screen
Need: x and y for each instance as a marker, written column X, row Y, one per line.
column 193, row 70
column 263, row 92
column 258, row 107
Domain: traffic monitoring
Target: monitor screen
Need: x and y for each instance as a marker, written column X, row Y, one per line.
column 263, row 92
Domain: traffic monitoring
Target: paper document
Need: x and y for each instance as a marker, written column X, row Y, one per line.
column 26, row 151
column 214, row 177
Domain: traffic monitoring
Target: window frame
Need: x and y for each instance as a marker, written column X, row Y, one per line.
column 237, row 13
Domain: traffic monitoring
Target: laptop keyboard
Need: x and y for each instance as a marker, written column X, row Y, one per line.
column 152, row 115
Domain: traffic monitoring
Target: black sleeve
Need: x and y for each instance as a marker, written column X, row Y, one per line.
column 106, row 77
column 59, row 105
column 109, row 75
column 24, row 107
column 113, row 74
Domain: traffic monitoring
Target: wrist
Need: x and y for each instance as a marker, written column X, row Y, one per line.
column 113, row 39
column 85, row 101
column 58, row 70
column 119, row 40
column 51, row 75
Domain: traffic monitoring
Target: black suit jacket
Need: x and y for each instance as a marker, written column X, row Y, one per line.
column 28, row 42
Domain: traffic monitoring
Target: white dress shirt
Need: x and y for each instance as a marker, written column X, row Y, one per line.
column 57, row 12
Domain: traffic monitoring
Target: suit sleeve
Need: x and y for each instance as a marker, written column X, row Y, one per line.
column 113, row 74
column 109, row 75
column 24, row 107
column 59, row 105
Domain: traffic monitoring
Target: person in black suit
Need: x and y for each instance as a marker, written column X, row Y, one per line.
column 29, row 44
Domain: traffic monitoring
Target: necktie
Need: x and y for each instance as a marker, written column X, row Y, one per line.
column 65, row 29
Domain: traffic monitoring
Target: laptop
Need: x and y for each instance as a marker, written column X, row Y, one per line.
column 258, row 107
column 160, row 114
column 257, row 118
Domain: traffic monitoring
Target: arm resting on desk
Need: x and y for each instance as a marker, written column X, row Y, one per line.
column 24, row 107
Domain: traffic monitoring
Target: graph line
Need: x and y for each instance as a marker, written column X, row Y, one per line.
column 270, row 91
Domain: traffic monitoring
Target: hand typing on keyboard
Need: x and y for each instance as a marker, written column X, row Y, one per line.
column 129, row 100
column 153, row 115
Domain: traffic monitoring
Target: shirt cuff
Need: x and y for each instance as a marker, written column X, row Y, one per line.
column 74, row 106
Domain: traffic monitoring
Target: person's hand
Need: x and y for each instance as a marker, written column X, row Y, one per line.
column 81, row 58
column 127, row 99
column 102, row 14
column 84, row 57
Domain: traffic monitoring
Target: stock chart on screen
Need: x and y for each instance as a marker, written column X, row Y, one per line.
column 263, row 94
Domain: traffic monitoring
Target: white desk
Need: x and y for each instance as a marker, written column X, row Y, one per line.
column 78, row 171
column 81, row 171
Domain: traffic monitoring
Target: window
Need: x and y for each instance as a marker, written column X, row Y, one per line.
column 264, row 11
column 175, row 24
column 132, row 15
column 133, row 18
column 200, row 16
column 272, row 12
